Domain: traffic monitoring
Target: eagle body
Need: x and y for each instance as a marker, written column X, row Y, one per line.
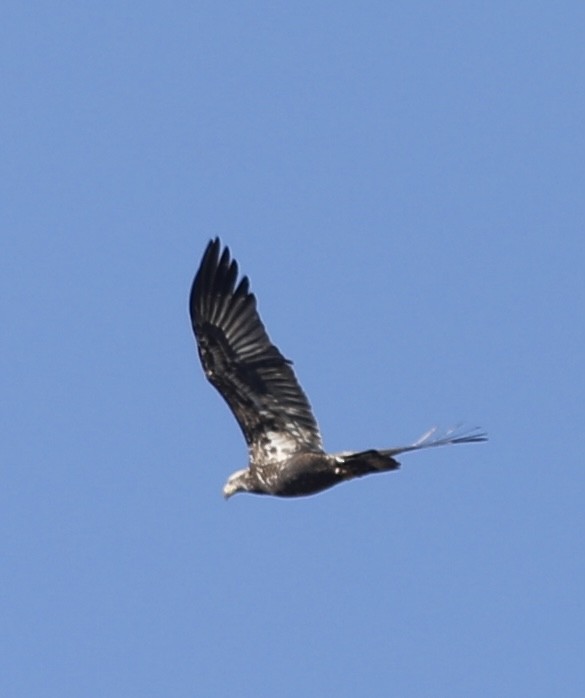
column 307, row 473
column 286, row 456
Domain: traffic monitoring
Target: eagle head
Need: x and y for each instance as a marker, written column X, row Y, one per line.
column 237, row 482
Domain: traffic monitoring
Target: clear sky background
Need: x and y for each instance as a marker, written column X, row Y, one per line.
column 404, row 185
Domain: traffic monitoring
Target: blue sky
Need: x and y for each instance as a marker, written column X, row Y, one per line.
column 404, row 185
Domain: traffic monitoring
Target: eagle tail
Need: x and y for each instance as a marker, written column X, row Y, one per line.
column 357, row 464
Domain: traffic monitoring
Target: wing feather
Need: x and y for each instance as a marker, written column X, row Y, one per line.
column 254, row 378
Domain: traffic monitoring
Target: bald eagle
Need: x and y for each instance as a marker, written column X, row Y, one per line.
column 286, row 456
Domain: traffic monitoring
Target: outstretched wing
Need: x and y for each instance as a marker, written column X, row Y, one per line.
column 433, row 437
column 238, row 358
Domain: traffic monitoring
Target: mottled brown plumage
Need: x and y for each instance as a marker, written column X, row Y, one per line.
column 286, row 456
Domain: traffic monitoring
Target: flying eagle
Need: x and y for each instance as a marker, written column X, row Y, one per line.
column 286, row 456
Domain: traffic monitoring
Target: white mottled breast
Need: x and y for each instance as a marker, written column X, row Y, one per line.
column 278, row 445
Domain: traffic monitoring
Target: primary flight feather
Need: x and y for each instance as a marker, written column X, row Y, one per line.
column 286, row 456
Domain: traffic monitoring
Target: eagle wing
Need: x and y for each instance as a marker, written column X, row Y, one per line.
column 238, row 358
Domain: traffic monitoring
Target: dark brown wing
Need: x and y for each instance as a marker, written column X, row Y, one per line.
column 238, row 358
